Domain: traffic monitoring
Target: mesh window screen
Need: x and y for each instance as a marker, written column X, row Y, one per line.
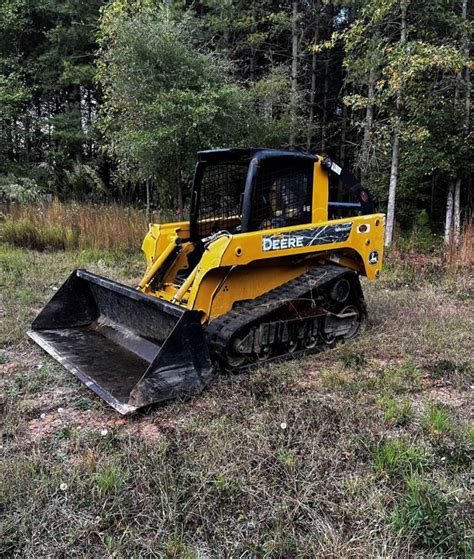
column 282, row 197
column 222, row 189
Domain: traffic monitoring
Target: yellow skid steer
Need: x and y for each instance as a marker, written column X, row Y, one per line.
column 258, row 273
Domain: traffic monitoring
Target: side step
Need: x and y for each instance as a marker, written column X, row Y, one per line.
column 130, row 348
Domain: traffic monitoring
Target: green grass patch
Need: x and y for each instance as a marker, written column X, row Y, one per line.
column 470, row 434
column 438, row 421
column 398, row 413
column 430, row 519
column 353, row 360
column 399, row 457
column 25, row 233
column 110, row 478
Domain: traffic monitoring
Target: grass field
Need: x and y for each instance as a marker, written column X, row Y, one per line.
column 364, row 450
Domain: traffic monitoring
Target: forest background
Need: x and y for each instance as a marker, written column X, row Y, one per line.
column 109, row 101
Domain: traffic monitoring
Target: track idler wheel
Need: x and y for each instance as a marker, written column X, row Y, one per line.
column 343, row 325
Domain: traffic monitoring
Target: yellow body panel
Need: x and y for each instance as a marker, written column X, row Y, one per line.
column 236, row 267
column 320, row 194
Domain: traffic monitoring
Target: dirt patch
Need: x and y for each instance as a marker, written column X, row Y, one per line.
column 445, row 394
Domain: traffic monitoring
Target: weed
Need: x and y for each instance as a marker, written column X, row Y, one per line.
column 420, row 238
column 220, row 481
column 401, row 378
column 459, row 374
column 428, row 518
column 287, row 458
column 175, row 547
column 397, row 413
column 67, row 433
column 398, row 457
column 442, row 369
column 86, row 404
column 334, row 379
column 39, row 379
column 109, row 479
column 354, row 360
column 109, row 543
column 438, row 421
column 470, row 434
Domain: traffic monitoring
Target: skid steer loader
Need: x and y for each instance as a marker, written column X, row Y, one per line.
column 258, row 272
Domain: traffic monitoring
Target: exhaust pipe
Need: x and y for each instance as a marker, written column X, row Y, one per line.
column 130, row 348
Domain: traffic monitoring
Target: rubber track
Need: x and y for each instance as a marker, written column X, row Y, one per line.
column 221, row 330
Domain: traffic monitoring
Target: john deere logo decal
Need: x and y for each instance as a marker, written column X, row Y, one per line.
column 374, row 257
column 307, row 237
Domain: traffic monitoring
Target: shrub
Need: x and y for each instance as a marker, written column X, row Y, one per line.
column 420, row 238
column 19, row 189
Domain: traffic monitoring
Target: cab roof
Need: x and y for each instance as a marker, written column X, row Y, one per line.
column 247, row 154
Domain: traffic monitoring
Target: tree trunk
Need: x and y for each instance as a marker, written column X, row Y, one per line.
column 369, row 121
column 465, row 125
column 325, row 105
column 89, row 122
column 467, row 70
column 75, row 107
column 392, row 190
column 457, row 211
column 148, row 205
column 179, row 190
column 252, row 65
column 294, row 72
column 396, row 145
column 252, row 48
column 342, row 151
column 312, row 93
column 432, row 196
column 342, row 147
column 27, row 139
column 448, row 223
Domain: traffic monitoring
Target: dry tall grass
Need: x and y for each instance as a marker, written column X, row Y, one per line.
column 68, row 226
column 461, row 255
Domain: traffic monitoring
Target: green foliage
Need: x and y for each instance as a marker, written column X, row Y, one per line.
column 428, row 517
column 420, row 238
column 19, row 189
column 398, row 457
column 470, row 434
column 93, row 105
column 167, row 95
column 47, row 91
column 415, row 90
column 353, row 360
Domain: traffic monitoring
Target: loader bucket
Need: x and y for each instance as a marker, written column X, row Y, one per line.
column 130, row 348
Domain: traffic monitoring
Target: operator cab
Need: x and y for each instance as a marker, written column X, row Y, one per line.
column 241, row 190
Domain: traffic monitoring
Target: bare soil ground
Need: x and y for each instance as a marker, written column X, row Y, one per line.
column 364, row 450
